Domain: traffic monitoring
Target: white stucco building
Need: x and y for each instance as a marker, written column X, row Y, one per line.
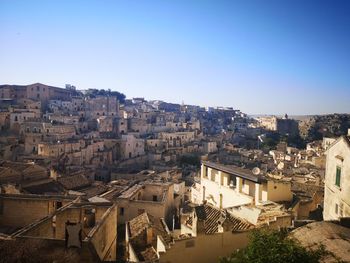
column 226, row 186
column 337, row 180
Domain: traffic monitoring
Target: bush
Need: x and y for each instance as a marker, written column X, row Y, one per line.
column 190, row 160
column 267, row 246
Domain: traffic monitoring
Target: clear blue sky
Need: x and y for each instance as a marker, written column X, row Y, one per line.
column 269, row 57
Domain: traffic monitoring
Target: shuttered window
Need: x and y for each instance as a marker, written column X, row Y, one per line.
column 337, row 176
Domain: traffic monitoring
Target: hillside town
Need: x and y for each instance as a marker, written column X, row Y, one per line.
column 93, row 176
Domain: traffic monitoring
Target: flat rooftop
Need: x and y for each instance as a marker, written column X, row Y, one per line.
column 236, row 171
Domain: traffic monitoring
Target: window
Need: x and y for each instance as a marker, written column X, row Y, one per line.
column 38, row 95
column 213, row 176
column 154, row 198
column 337, row 176
column 233, row 181
column 58, row 205
column 89, row 217
column 336, row 209
column 121, row 211
column 37, row 88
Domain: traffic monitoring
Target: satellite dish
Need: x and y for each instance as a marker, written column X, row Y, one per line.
column 256, row 171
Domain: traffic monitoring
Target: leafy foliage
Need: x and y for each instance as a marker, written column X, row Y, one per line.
column 35, row 251
column 270, row 142
column 92, row 93
column 296, row 141
column 267, row 246
column 273, row 138
column 190, row 159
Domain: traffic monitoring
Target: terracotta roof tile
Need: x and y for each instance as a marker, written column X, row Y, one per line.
column 74, row 182
column 138, row 224
column 213, row 217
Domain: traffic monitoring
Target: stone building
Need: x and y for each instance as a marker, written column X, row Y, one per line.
column 227, row 186
column 61, row 224
column 281, row 125
column 18, row 117
column 37, row 91
column 157, row 199
column 102, row 106
column 177, row 139
column 131, row 147
column 210, row 147
column 19, row 172
column 337, row 180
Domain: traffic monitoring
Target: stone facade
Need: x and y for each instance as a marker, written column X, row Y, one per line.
column 337, row 180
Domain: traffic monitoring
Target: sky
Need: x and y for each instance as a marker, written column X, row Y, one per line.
column 259, row 56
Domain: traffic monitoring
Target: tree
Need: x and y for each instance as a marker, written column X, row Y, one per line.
column 92, row 93
column 270, row 141
column 190, row 159
column 270, row 246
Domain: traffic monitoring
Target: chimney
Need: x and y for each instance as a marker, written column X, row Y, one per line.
column 53, row 174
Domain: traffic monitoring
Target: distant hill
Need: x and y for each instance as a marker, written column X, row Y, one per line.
column 318, row 126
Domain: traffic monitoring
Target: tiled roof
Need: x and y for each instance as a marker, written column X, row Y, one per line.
column 74, row 182
column 94, row 190
column 46, row 188
column 131, row 191
column 237, row 224
column 113, row 194
column 213, row 217
column 138, row 224
column 21, row 167
column 189, row 221
column 159, row 229
column 149, row 254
